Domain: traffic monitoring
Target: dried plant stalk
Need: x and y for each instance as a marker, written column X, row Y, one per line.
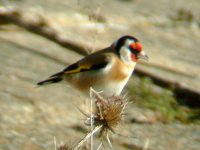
column 87, row 137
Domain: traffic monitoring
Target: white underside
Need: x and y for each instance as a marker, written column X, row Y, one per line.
column 111, row 88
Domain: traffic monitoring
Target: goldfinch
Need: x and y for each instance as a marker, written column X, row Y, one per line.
column 107, row 70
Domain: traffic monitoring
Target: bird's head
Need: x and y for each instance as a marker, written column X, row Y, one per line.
column 129, row 49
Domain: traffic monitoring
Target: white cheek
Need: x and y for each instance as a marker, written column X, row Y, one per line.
column 125, row 55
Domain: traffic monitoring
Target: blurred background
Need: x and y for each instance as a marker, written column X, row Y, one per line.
column 39, row 38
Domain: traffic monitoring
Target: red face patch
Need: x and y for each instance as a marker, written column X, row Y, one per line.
column 136, row 46
column 139, row 46
column 133, row 57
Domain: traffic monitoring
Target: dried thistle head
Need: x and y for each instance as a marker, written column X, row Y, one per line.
column 65, row 147
column 70, row 147
column 108, row 112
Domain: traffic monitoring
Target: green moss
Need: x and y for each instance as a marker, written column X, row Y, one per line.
column 148, row 95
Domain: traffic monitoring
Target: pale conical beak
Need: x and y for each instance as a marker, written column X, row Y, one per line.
column 142, row 55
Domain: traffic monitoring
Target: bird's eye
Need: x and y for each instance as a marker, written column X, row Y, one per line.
column 133, row 49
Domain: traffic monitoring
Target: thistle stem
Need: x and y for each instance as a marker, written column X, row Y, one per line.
column 87, row 136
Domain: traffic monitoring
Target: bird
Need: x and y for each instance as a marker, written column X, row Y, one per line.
column 107, row 70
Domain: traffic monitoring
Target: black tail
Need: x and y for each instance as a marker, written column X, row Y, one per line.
column 52, row 79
